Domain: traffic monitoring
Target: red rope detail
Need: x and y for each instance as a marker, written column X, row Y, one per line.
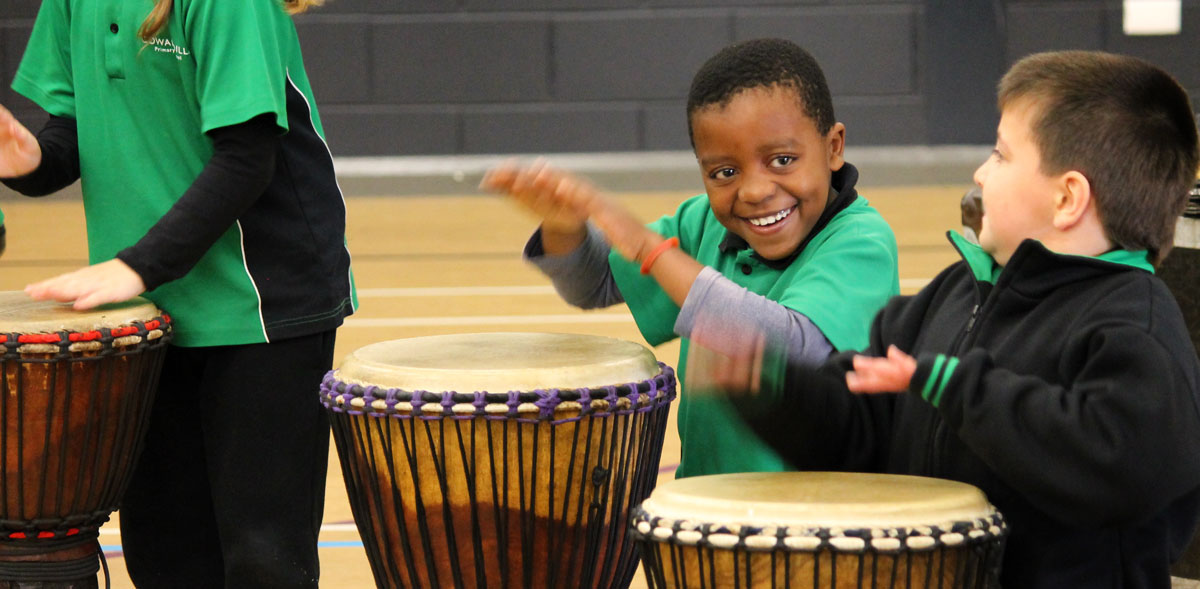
column 44, row 534
column 84, row 337
column 39, row 338
column 87, row 336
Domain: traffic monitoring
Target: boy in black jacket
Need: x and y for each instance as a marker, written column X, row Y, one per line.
column 1050, row 368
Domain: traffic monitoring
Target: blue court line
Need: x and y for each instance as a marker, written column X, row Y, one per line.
column 340, row 544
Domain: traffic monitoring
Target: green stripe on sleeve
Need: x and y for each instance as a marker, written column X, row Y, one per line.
column 951, row 364
column 933, row 375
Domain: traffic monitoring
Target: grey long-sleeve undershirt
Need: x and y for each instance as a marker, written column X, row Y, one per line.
column 583, row 279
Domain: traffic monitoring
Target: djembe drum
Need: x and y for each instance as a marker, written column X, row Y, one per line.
column 499, row 460
column 818, row 530
column 77, row 393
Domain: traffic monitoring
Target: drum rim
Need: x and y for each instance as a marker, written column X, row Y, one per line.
column 131, row 334
column 376, row 401
column 645, row 527
column 498, row 361
column 19, row 313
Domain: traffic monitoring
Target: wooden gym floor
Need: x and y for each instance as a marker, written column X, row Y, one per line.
column 451, row 264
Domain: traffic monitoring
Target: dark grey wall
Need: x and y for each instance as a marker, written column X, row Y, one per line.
column 403, row 77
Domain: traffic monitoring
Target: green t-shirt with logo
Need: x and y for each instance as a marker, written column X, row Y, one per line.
column 841, row 278
column 142, row 111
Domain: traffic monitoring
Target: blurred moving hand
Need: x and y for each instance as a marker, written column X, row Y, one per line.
column 890, row 374
column 20, row 153
column 565, row 202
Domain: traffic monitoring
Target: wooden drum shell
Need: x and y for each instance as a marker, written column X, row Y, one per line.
column 710, row 537
column 75, row 399
column 519, row 488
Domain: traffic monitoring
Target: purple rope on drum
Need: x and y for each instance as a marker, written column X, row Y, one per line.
column 375, row 401
column 480, row 489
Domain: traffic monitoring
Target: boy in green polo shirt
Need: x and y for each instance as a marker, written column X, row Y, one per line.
column 781, row 243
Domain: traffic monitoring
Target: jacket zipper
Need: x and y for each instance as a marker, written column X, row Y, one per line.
column 960, row 342
column 936, row 434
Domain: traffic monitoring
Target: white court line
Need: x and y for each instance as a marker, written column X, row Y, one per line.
column 491, row 320
column 455, row 291
column 469, row 291
column 451, row 291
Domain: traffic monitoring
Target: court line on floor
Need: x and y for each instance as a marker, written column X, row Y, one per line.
column 335, row 527
column 490, row 320
column 525, row 290
column 456, row 291
column 117, row 551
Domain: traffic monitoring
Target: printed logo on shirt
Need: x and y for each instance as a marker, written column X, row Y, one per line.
column 161, row 45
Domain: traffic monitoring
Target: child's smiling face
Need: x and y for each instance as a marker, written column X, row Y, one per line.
column 766, row 167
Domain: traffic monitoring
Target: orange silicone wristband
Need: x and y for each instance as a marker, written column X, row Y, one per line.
column 657, row 251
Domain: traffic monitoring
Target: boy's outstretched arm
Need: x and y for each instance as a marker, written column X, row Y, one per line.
column 559, row 199
column 566, row 202
column 673, row 269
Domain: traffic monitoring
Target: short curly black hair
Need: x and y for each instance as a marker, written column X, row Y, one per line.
column 762, row 63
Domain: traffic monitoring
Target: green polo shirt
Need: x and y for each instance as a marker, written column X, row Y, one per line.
column 143, row 111
column 840, row 280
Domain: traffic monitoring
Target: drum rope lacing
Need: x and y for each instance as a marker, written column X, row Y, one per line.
column 379, row 401
column 143, row 334
column 40, row 535
column 139, row 332
column 103, row 334
column 816, row 539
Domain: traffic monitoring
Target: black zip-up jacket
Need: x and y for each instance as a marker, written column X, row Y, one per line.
column 1066, row 390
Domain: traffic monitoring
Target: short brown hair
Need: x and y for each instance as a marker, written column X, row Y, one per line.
column 1123, row 123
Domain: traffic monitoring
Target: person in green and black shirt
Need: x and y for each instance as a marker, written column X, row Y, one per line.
column 209, row 189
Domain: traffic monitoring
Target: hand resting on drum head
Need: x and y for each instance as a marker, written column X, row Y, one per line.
column 107, row 282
